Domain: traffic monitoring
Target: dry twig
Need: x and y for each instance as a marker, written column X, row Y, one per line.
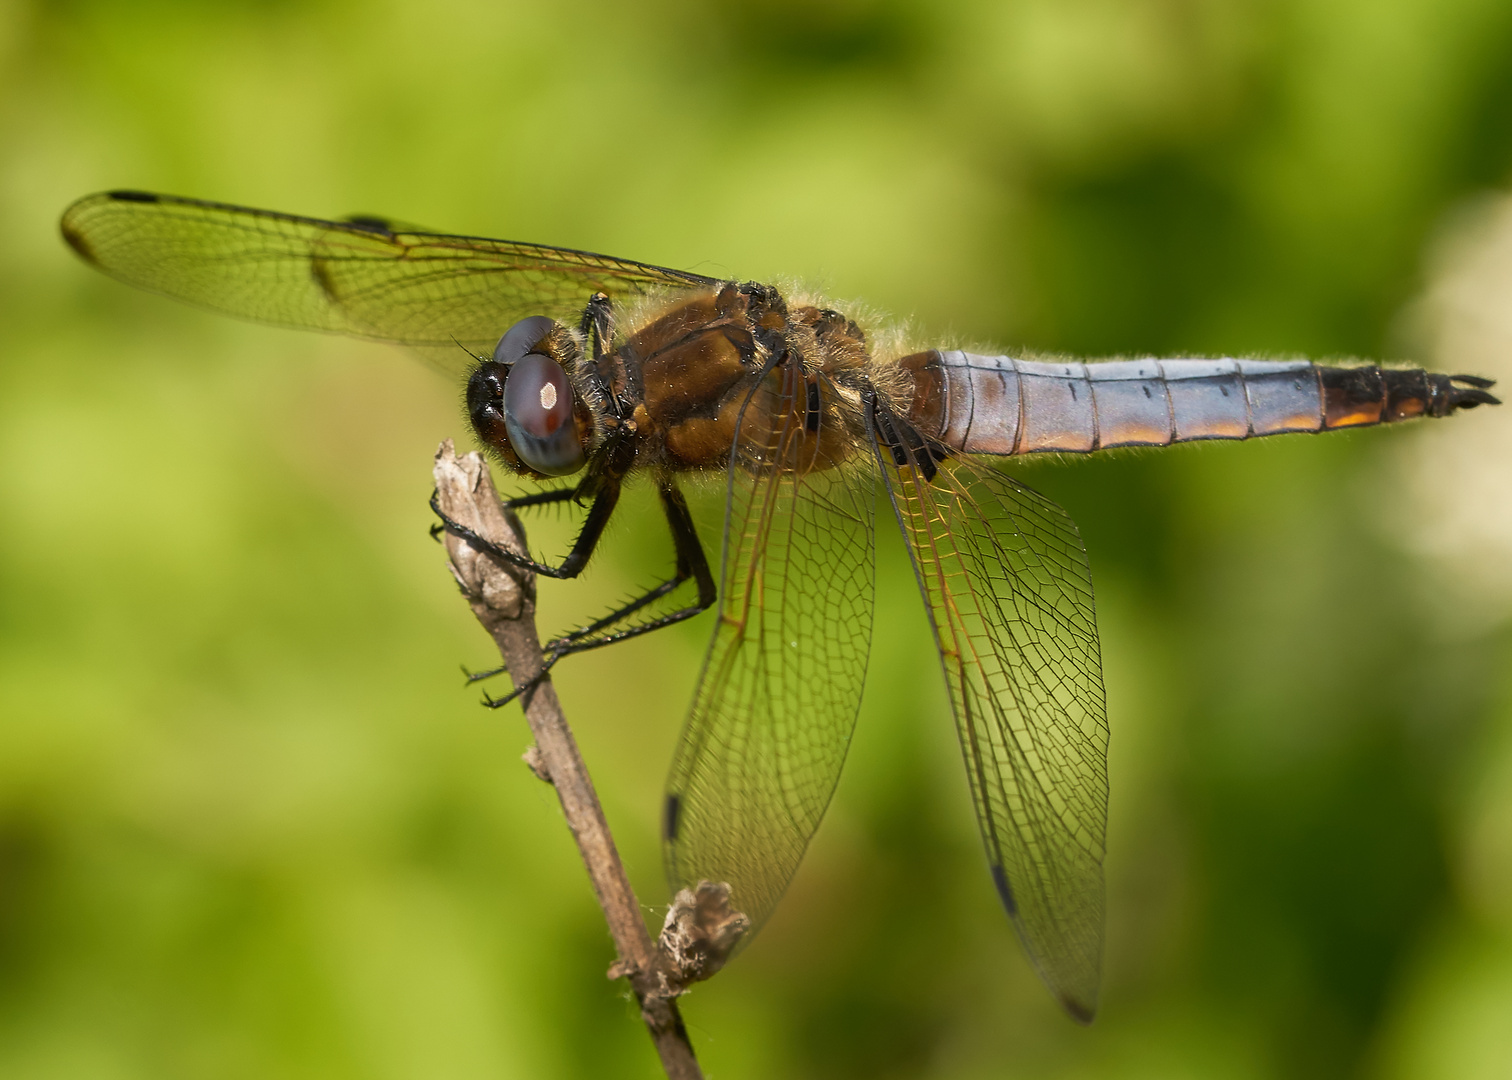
column 502, row 597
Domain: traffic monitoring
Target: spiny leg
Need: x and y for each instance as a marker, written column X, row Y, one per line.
column 582, row 548
column 539, row 498
column 597, row 324
column 691, row 563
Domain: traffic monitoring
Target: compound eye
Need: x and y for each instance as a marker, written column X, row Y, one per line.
column 485, row 403
column 538, row 415
column 520, row 338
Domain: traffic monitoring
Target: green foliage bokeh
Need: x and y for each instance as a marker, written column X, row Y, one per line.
column 252, row 824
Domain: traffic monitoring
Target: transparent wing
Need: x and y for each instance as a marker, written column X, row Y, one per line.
column 366, row 277
column 1009, row 592
column 776, row 703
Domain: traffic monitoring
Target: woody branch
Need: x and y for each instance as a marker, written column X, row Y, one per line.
column 502, row 597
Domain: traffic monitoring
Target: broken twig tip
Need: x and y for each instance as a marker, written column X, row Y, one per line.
column 701, row 933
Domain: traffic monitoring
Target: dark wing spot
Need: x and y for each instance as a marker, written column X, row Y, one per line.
column 371, row 223
column 133, row 196
column 811, row 417
column 669, row 817
column 322, row 278
column 76, row 240
column 1000, row 879
column 1080, row 1011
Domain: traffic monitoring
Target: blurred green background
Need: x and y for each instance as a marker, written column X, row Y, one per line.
column 253, row 825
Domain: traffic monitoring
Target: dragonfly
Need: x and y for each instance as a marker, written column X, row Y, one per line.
column 584, row 372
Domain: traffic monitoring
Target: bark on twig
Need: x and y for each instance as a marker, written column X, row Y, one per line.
column 503, row 600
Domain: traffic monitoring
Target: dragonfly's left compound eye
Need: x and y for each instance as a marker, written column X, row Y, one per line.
column 520, row 338
column 538, row 416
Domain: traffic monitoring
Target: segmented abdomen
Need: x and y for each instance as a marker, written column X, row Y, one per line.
column 1002, row 405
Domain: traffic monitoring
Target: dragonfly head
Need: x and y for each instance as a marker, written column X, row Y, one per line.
column 522, row 404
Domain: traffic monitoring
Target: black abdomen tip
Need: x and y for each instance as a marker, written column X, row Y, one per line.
column 1472, row 393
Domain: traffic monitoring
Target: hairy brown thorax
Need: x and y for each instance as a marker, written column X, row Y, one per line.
column 694, row 369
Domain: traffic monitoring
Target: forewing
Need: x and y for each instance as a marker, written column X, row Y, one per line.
column 1006, row 581
column 366, row 277
column 776, row 703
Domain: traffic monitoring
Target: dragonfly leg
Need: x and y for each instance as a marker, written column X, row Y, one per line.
column 540, row 677
column 597, row 324
column 691, row 564
column 540, row 498
column 479, row 676
column 582, row 548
